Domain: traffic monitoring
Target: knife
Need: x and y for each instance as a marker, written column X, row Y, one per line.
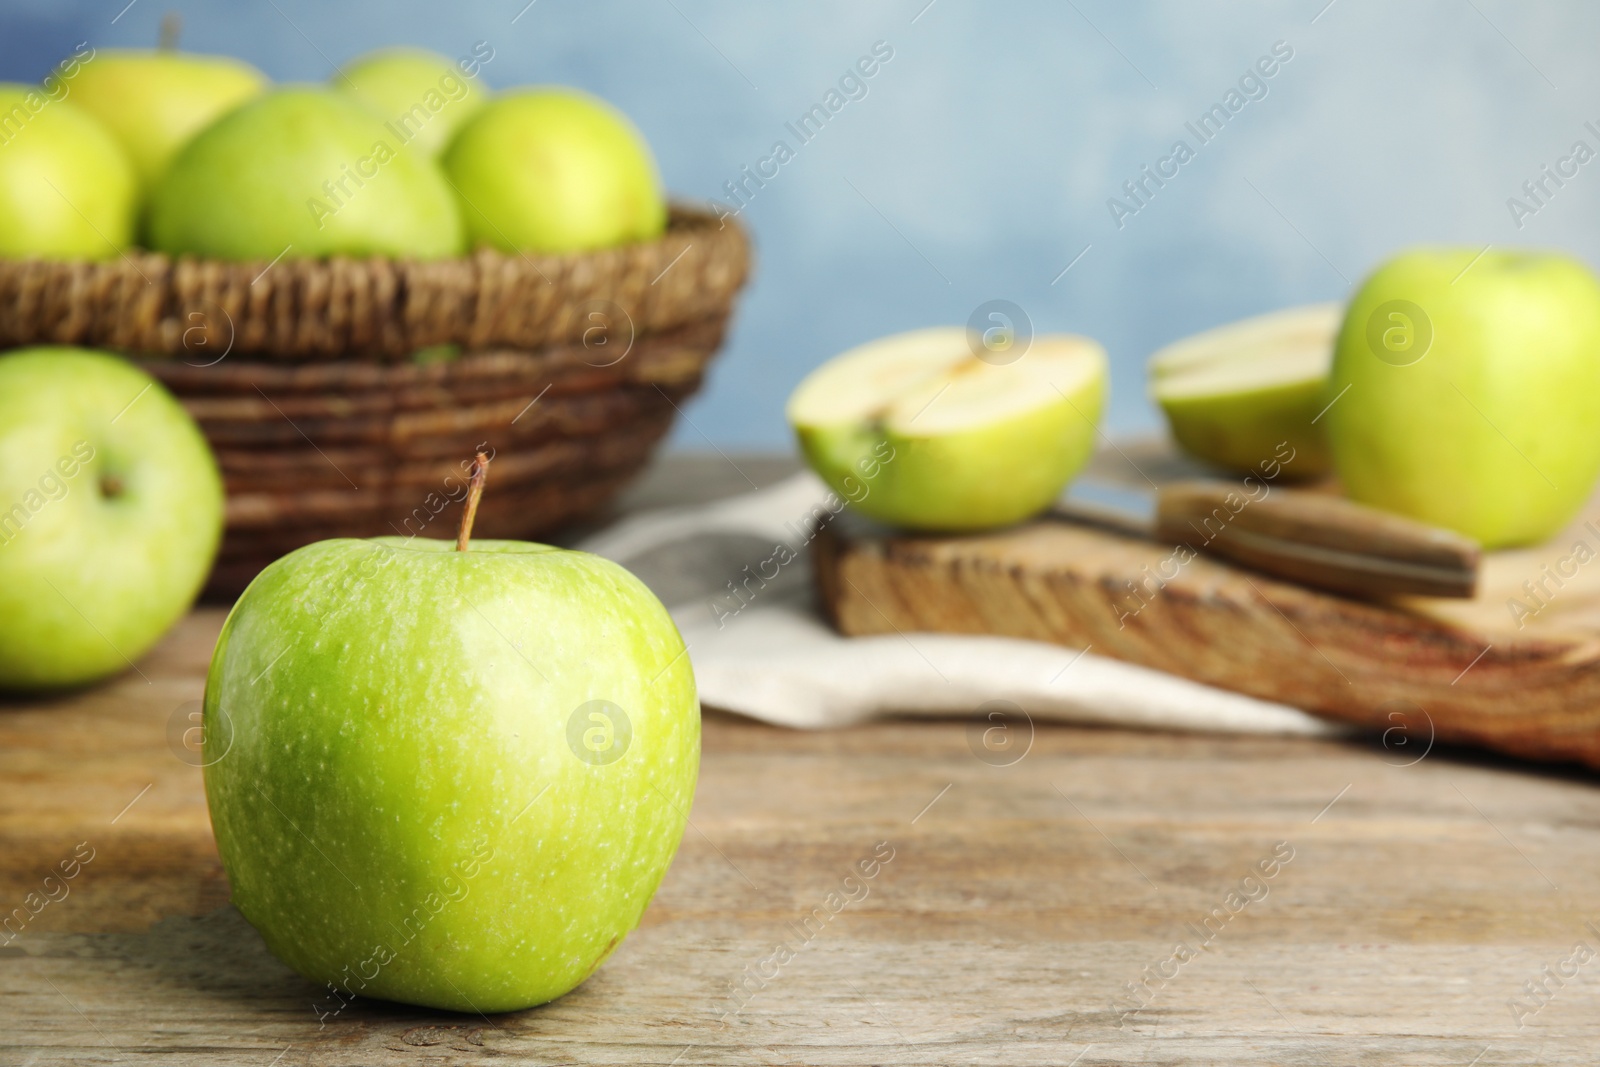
column 1309, row 537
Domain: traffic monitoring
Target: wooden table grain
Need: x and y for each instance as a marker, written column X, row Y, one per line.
column 1111, row 897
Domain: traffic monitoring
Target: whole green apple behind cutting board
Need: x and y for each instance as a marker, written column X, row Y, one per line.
column 554, row 170
column 153, row 102
column 110, row 515
column 303, row 173
column 67, row 190
column 931, row 430
column 1465, row 391
column 449, row 778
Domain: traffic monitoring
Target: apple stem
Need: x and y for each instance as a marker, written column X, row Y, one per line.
column 171, row 30
column 480, row 474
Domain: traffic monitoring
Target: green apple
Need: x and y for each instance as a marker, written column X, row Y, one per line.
column 1232, row 395
column 1466, row 391
column 448, row 778
column 930, row 430
column 305, row 173
column 110, row 515
column 153, row 102
column 554, row 170
column 67, row 191
column 421, row 94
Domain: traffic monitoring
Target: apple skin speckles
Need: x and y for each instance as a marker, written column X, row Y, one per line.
column 406, row 811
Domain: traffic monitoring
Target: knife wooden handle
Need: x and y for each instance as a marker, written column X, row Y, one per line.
column 1318, row 540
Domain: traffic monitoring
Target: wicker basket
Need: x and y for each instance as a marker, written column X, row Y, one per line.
column 342, row 397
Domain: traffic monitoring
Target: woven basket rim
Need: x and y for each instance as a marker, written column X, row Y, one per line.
column 683, row 216
column 376, row 307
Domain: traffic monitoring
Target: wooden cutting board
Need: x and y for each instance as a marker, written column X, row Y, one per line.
column 1515, row 669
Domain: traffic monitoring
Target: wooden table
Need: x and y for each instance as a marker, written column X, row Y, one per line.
column 1020, row 903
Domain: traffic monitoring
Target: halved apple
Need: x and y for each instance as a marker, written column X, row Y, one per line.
column 1233, row 394
column 916, row 430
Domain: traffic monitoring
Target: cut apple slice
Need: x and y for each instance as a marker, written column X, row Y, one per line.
column 918, row 431
column 1244, row 395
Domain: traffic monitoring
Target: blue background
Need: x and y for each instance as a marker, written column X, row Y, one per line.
column 980, row 161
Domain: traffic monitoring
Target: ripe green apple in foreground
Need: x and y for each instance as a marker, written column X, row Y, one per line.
column 110, row 515
column 448, row 778
column 554, row 170
column 153, row 102
column 305, row 173
column 420, row 93
column 1233, row 394
column 929, row 430
column 1470, row 390
column 67, row 191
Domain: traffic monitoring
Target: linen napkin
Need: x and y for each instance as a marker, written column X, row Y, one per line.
column 764, row 650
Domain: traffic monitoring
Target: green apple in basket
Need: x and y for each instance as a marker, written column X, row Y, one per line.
column 1234, row 394
column 1466, row 391
column 67, row 191
column 448, row 773
column 302, row 173
column 110, row 515
column 932, row 430
column 423, row 96
column 554, row 170
column 154, row 101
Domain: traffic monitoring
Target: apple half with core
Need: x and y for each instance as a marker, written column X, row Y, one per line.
column 1466, row 391
column 67, row 190
column 448, row 773
column 153, row 102
column 303, row 173
column 554, row 170
column 931, row 430
column 110, row 515
column 1232, row 395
